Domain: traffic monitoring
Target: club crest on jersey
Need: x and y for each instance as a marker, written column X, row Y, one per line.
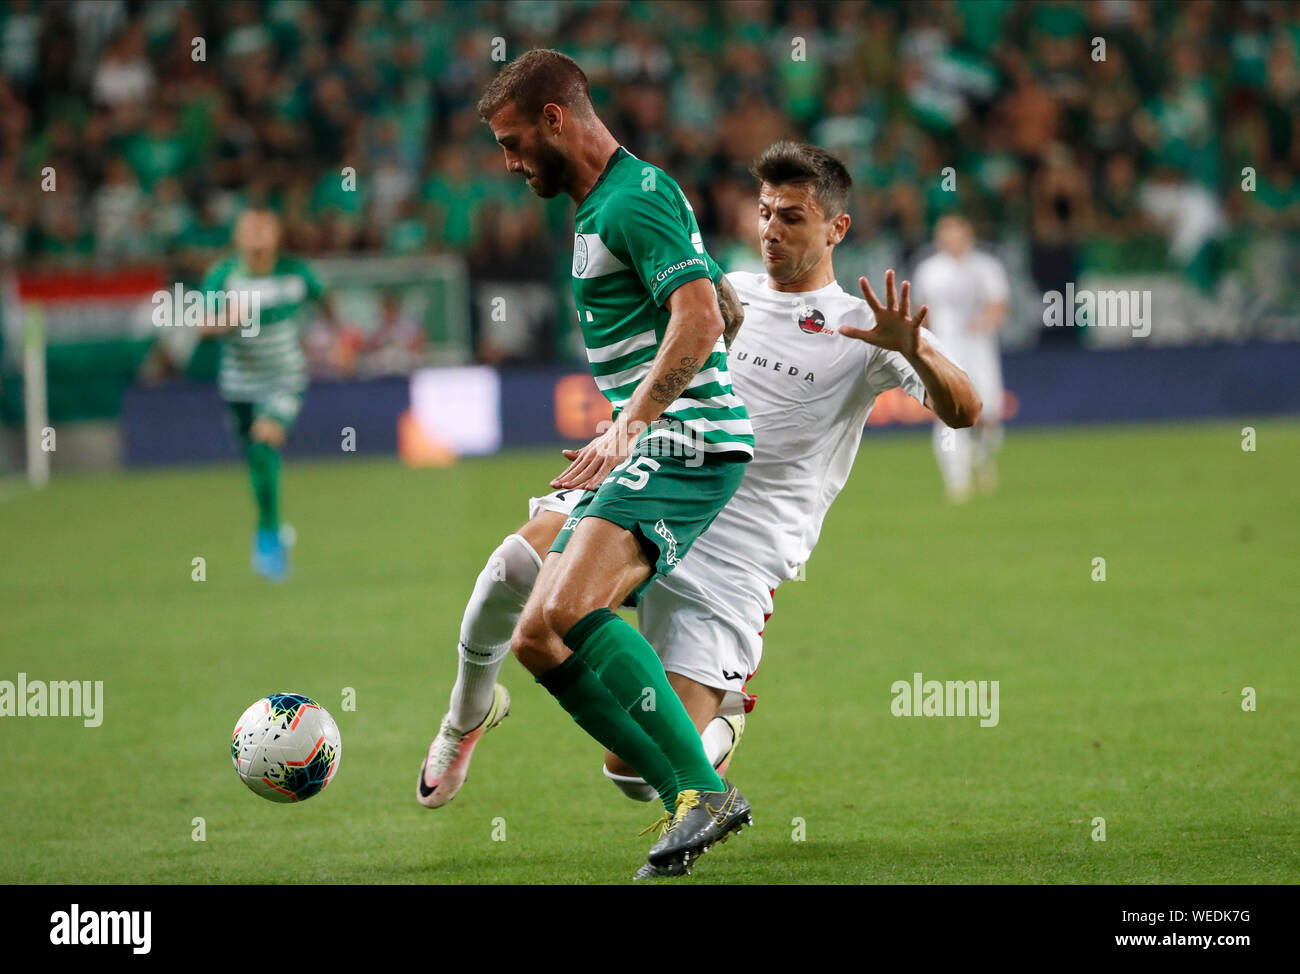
column 810, row 320
column 579, row 254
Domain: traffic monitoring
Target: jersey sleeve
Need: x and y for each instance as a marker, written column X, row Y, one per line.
column 887, row 369
column 315, row 286
column 659, row 242
column 884, row 369
column 716, row 273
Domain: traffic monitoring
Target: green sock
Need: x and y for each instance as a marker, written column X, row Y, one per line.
column 630, row 668
column 264, row 470
column 589, row 703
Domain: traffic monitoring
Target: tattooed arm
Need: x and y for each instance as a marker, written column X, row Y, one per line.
column 733, row 314
column 692, row 332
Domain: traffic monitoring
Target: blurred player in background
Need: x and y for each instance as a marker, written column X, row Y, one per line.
column 966, row 291
column 263, row 368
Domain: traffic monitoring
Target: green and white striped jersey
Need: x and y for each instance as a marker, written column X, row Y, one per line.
column 636, row 241
column 256, row 366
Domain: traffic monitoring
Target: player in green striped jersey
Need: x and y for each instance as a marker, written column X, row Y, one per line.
column 263, row 369
column 670, row 460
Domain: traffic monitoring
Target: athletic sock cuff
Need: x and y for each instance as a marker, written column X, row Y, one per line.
column 482, row 655
column 558, row 679
column 582, row 630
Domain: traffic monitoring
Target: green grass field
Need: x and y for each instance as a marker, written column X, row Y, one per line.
column 1119, row 699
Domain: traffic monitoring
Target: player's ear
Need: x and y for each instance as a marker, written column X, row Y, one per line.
column 553, row 117
column 839, row 227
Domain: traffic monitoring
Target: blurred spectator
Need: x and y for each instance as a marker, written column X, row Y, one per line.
column 20, row 31
column 1061, row 214
column 395, row 344
column 118, row 207
column 1191, row 218
column 124, row 79
column 1074, row 160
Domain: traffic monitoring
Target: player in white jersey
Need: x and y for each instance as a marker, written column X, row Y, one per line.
column 811, row 360
column 966, row 291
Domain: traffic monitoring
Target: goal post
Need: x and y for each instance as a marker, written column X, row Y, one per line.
column 35, row 398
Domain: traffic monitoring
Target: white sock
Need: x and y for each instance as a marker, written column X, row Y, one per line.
column 476, row 678
column 490, row 616
column 635, row 788
column 717, row 739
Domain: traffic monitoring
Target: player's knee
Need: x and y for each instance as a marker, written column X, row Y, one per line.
column 531, row 642
column 523, row 643
column 500, row 593
column 268, row 431
column 514, row 564
column 563, row 609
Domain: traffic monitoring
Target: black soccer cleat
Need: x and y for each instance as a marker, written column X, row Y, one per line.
column 701, row 819
column 651, row 871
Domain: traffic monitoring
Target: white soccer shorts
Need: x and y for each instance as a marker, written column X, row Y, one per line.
column 705, row 619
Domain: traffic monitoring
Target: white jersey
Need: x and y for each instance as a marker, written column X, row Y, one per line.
column 809, row 391
column 957, row 290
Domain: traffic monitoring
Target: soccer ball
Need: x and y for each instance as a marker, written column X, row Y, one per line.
column 286, row 747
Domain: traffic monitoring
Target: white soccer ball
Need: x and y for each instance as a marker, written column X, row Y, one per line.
column 286, row 747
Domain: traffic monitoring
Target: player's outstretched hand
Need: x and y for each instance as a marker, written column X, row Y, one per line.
column 895, row 329
column 593, row 462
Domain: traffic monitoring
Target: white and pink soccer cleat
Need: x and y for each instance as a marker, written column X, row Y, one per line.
column 446, row 766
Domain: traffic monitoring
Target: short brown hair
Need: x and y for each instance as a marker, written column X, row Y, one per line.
column 534, row 80
column 786, row 162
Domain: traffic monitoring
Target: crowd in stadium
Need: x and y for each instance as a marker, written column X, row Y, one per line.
column 160, row 121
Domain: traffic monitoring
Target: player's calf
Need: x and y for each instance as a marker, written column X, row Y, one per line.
column 719, row 735
column 720, row 738
column 478, row 703
column 500, row 592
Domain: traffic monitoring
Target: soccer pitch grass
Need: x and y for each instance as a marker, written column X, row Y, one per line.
column 1119, row 700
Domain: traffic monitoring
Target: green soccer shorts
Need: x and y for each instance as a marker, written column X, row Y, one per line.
column 283, row 407
column 663, row 501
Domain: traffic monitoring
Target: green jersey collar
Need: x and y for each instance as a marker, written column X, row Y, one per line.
column 619, row 154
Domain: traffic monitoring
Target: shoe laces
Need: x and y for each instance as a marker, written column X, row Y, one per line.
column 663, row 823
column 446, row 745
column 686, row 800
